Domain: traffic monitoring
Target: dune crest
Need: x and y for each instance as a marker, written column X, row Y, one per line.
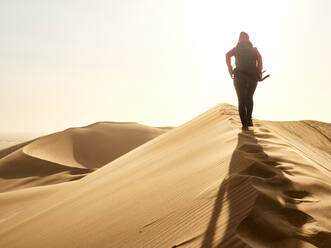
column 70, row 154
column 203, row 184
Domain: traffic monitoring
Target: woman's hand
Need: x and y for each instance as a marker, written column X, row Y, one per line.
column 230, row 72
column 260, row 75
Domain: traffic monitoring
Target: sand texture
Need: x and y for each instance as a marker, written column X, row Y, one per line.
column 70, row 154
column 203, row 184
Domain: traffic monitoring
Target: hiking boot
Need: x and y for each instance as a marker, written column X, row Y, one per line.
column 245, row 128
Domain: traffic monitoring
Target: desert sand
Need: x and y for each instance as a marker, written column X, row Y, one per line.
column 70, row 154
column 203, row 184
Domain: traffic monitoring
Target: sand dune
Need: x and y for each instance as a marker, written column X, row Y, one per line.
column 203, row 184
column 70, row 154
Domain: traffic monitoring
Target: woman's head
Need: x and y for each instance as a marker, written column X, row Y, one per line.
column 243, row 36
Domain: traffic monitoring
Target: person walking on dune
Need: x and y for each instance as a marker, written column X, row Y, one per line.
column 247, row 73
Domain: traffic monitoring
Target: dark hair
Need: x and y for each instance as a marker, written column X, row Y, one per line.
column 243, row 36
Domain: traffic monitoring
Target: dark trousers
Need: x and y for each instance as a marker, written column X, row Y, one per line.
column 245, row 87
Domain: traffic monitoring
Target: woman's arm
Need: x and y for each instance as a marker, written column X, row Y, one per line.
column 228, row 56
column 259, row 62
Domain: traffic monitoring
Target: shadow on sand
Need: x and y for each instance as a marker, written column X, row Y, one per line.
column 255, row 213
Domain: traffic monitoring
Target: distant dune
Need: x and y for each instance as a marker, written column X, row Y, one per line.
column 203, row 184
column 11, row 139
column 70, row 154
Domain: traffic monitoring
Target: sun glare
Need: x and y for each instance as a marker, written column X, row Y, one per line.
column 214, row 24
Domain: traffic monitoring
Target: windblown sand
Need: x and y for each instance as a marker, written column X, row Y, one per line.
column 69, row 155
column 203, row 184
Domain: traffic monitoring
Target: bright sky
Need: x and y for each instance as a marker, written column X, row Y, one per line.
column 71, row 63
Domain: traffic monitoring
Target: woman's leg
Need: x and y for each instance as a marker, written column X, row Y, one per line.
column 240, row 85
column 251, row 86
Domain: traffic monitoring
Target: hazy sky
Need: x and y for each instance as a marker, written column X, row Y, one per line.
column 71, row 63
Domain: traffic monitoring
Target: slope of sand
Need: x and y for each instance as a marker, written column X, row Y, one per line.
column 203, row 184
column 70, row 154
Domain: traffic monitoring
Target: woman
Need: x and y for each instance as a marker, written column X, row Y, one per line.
column 246, row 75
